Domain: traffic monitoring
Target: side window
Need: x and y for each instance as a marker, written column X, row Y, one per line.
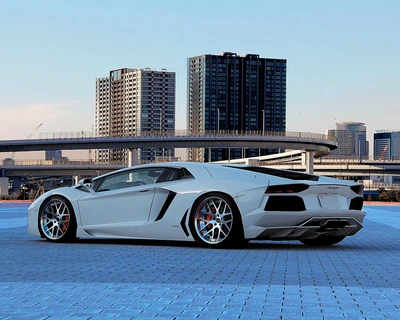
column 170, row 174
column 130, row 179
column 114, row 182
column 150, row 175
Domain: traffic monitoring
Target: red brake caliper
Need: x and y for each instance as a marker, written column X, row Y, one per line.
column 212, row 209
column 66, row 223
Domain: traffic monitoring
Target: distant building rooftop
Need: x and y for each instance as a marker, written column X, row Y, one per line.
column 387, row 131
column 351, row 123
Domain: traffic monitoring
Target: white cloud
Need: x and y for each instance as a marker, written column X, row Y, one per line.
column 18, row 122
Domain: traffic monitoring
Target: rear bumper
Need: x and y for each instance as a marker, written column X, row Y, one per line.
column 302, row 225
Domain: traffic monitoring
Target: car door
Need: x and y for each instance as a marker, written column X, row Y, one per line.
column 120, row 204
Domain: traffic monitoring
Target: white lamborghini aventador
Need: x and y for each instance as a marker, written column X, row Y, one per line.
column 215, row 204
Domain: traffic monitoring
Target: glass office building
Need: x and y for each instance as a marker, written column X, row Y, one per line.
column 230, row 92
column 352, row 140
column 387, row 145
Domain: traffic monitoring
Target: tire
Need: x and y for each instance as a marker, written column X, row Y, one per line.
column 215, row 222
column 322, row 241
column 56, row 220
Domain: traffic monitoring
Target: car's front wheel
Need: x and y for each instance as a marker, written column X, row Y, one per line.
column 216, row 222
column 57, row 220
column 322, row 241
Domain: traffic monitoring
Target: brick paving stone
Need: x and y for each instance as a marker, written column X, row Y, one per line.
column 91, row 279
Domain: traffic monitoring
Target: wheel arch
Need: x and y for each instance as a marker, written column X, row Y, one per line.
column 204, row 195
column 57, row 195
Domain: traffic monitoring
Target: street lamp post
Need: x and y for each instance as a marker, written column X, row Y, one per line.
column 161, row 114
column 299, row 121
column 369, row 178
column 263, row 129
column 218, row 120
column 263, row 121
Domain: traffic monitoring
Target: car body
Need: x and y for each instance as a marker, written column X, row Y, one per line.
column 218, row 205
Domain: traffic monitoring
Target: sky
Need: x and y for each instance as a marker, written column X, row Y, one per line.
column 342, row 56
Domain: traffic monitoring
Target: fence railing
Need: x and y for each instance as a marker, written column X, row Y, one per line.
column 185, row 133
column 374, row 186
column 65, row 162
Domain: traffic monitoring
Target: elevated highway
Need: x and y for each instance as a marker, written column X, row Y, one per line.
column 368, row 171
column 313, row 144
column 345, row 169
column 322, row 144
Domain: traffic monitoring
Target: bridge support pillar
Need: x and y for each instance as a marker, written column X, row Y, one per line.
column 132, row 157
column 76, row 179
column 310, row 161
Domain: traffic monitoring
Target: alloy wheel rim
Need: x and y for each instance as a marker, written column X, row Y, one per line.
column 55, row 219
column 213, row 220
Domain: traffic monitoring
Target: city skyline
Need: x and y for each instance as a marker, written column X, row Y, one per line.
column 342, row 57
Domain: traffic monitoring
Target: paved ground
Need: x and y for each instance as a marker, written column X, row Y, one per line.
column 357, row 279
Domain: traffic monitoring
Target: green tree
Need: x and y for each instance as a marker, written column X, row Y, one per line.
column 383, row 194
column 398, row 195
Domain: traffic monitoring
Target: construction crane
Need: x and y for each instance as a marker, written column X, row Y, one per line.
column 384, row 150
column 30, row 135
column 36, row 129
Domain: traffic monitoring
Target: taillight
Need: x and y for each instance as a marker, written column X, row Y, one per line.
column 356, row 203
column 287, row 188
column 358, row 188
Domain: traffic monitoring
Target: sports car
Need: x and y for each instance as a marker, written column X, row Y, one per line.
column 217, row 205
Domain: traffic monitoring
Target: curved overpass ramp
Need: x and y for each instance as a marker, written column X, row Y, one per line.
column 314, row 144
column 274, row 140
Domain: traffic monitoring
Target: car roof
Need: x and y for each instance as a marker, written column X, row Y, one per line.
column 178, row 165
column 198, row 169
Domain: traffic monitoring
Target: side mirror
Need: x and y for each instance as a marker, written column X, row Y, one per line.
column 87, row 183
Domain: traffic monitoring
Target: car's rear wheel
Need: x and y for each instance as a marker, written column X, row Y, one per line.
column 57, row 220
column 322, row 241
column 215, row 221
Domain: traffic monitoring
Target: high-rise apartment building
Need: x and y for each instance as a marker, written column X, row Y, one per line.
column 352, row 140
column 235, row 92
column 386, row 145
column 133, row 102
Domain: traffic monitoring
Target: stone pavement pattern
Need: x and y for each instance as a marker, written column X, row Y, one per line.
column 357, row 279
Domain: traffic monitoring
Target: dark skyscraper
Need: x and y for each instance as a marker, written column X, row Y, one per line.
column 53, row 155
column 237, row 93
